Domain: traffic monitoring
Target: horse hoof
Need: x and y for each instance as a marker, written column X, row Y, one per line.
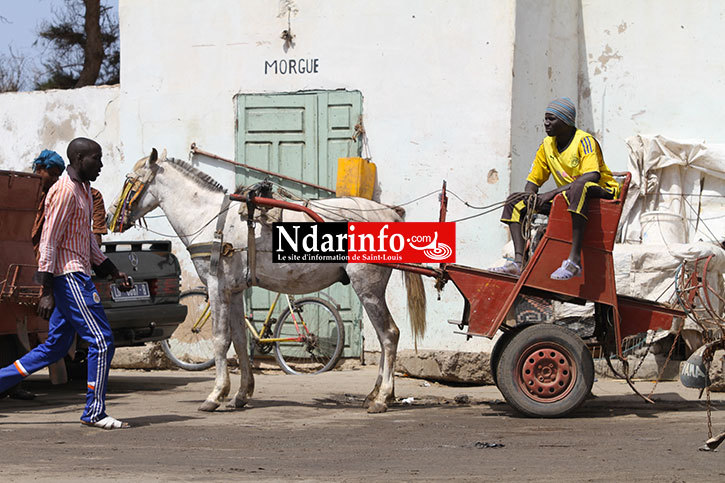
column 236, row 404
column 208, row 406
column 367, row 402
column 377, row 407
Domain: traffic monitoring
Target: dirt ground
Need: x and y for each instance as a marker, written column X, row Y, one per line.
column 312, row 428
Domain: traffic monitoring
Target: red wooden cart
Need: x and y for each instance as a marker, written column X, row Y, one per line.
column 19, row 195
column 546, row 370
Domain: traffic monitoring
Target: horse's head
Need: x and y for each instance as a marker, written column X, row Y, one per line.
column 135, row 199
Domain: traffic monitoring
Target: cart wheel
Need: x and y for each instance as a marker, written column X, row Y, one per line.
column 545, row 371
column 501, row 344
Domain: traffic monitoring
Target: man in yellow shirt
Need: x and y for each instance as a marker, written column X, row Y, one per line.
column 574, row 158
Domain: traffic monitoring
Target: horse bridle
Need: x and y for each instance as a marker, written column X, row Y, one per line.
column 133, row 188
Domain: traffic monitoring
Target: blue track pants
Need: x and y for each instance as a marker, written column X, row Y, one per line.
column 78, row 309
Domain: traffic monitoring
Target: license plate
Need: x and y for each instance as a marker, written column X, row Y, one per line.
column 140, row 291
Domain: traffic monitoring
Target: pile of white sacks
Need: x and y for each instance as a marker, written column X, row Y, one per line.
column 674, row 212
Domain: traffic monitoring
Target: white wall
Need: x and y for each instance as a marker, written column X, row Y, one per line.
column 435, row 78
column 545, row 67
column 439, row 97
column 33, row 121
column 653, row 67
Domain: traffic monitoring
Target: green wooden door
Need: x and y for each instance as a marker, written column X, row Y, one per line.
column 301, row 135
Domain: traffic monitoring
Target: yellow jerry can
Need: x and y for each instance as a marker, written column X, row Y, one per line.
column 355, row 177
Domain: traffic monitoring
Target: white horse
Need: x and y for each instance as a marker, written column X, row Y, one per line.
column 192, row 202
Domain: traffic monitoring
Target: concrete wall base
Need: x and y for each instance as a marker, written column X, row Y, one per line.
column 649, row 369
column 717, row 372
column 449, row 366
column 474, row 368
column 149, row 356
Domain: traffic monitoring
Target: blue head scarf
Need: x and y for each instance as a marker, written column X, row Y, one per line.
column 48, row 159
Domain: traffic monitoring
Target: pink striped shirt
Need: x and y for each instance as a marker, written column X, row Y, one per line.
column 67, row 244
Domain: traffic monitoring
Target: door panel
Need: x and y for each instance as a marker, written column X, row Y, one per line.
column 261, row 152
column 282, row 126
column 275, row 120
column 300, row 135
column 339, row 112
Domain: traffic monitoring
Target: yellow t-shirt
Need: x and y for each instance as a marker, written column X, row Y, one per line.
column 582, row 155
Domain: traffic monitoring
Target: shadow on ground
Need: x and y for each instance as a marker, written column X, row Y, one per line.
column 608, row 406
column 74, row 392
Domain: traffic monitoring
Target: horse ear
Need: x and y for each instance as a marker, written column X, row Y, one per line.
column 163, row 155
column 154, row 156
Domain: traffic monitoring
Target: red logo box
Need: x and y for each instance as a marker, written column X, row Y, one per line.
column 407, row 242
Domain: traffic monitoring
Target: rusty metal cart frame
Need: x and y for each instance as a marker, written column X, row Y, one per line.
column 545, row 370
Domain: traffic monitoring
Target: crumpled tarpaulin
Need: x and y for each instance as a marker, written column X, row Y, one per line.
column 683, row 178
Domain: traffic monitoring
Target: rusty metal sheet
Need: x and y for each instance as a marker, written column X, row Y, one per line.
column 486, row 293
column 19, row 196
column 639, row 315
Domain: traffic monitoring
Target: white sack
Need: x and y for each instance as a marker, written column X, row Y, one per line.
column 684, row 178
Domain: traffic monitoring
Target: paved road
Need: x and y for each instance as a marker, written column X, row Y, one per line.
column 312, row 428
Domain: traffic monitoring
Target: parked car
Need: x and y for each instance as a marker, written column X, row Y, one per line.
column 151, row 310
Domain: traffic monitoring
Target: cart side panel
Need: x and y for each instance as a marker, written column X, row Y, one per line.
column 14, row 313
column 19, row 195
column 486, row 293
column 593, row 285
column 603, row 219
column 639, row 316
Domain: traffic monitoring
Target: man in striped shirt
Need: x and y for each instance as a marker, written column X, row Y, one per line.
column 68, row 297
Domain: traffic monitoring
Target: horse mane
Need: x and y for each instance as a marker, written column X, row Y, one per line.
column 197, row 175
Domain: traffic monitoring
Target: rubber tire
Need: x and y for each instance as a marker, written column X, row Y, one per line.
column 579, row 358
column 339, row 343
column 190, row 297
column 501, row 344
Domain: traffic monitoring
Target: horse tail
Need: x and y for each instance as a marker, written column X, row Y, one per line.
column 416, row 305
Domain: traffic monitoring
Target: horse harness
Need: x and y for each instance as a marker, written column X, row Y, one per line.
column 217, row 248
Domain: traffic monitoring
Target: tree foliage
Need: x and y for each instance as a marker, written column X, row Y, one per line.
column 12, row 71
column 82, row 46
column 11, row 68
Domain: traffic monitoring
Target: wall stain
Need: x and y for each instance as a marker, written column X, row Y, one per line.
column 607, row 55
column 286, row 6
column 492, row 177
column 61, row 121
